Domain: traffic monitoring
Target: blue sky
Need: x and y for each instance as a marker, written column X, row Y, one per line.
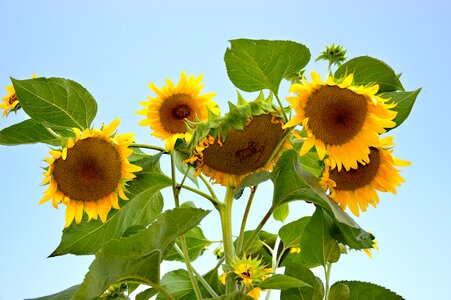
column 115, row 48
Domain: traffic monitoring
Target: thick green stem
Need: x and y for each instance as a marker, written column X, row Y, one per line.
column 327, row 275
column 176, row 192
column 243, row 223
column 281, row 108
column 225, row 212
column 209, row 187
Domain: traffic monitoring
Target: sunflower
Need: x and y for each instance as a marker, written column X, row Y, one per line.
column 250, row 271
column 341, row 120
column 228, row 160
column 90, row 173
column 10, row 101
column 167, row 112
column 357, row 187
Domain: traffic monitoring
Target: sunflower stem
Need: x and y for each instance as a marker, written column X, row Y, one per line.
column 243, row 223
column 225, row 212
column 199, row 277
column 257, row 230
column 50, row 130
column 327, row 268
column 151, row 147
column 274, row 261
column 281, row 108
column 209, row 187
column 176, row 192
column 214, row 201
column 162, row 290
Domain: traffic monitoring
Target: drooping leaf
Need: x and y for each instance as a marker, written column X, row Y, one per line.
column 369, row 70
column 56, row 101
column 292, row 183
column 282, row 282
column 405, row 101
column 363, row 291
column 317, row 244
column 137, row 258
column 281, row 213
column 315, row 292
column 144, row 206
column 196, row 242
column 291, row 233
column 254, row 65
column 27, row 132
column 63, row 295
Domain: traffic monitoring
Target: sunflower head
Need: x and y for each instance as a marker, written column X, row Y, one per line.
column 89, row 173
column 356, row 188
column 341, row 120
column 243, row 141
column 173, row 105
column 250, row 271
column 10, row 102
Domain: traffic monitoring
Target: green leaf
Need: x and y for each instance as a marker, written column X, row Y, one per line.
column 196, row 242
column 144, row 206
column 363, row 291
column 63, row 295
column 315, row 292
column 178, row 284
column 368, row 70
column 318, row 247
column 405, row 101
column 254, row 65
column 146, row 294
column 310, row 163
column 27, row 132
column 56, row 101
column 292, row 183
column 212, row 279
column 339, row 291
column 282, row 282
column 233, row 296
column 291, row 233
column 281, row 213
column 137, row 258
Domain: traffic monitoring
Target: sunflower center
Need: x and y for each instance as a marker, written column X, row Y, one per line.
column 181, row 112
column 91, row 170
column 246, row 150
column 12, row 99
column 336, row 115
column 174, row 110
column 357, row 178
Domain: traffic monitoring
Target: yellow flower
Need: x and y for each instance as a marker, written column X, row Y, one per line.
column 295, row 250
column 228, row 161
column 10, row 101
column 250, row 271
column 166, row 113
column 90, row 173
column 368, row 250
column 255, row 293
column 357, row 187
column 341, row 120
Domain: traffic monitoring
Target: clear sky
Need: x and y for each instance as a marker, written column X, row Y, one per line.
column 115, row 48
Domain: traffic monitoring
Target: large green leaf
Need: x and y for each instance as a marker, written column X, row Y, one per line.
column 292, row 183
column 137, row 258
column 291, row 233
column 282, row 282
column 56, row 101
column 303, row 293
column 144, row 206
column 27, row 132
column 146, row 294
column 196, row 242
column 177, row 282
column 254, row 65
column 369, row 70
column 405, row 101
column 361, row 291
column 317, row 244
